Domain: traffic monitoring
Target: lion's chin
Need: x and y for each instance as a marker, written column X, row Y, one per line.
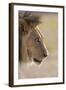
column 37, row 61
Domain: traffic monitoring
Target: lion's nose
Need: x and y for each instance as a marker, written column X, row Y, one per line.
column 45, row 54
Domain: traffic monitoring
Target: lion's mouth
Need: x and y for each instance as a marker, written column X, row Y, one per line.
column 37, row 61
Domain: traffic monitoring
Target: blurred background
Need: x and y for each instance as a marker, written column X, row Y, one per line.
column 49, row 66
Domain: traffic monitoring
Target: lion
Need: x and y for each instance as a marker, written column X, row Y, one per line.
column 31, row 45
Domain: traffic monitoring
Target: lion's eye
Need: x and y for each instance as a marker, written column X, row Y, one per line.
column 37, row 39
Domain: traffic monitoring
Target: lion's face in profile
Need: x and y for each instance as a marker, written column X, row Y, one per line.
column 31, row 46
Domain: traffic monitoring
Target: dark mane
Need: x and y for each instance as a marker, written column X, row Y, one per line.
column 29, row 18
